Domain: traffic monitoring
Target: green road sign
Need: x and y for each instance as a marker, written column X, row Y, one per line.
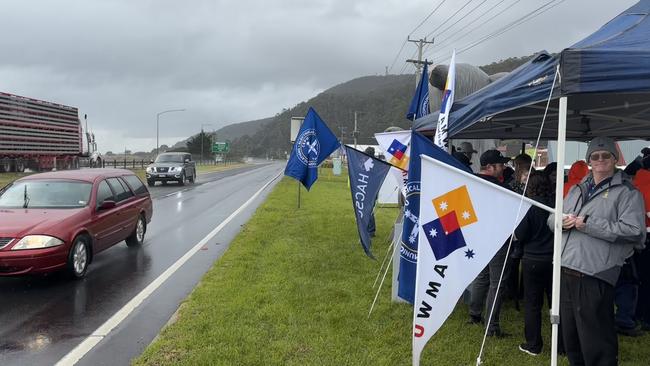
column 220, row 147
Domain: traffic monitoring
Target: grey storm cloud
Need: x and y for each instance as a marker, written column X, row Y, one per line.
column 121, row 62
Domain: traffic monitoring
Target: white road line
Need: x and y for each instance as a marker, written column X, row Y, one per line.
column 92, row 340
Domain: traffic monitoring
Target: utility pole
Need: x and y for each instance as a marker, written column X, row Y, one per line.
column 418, row 63
column 87, row 133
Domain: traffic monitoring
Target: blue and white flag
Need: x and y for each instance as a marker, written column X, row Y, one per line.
column 420, row 103
column 409, row 245
column 464, row 221
column 367, row 174
column 315, row 142
column 440, row 138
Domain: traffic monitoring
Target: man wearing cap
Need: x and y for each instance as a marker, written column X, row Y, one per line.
column 603, row 222
column 467, row 149
column 485, row 284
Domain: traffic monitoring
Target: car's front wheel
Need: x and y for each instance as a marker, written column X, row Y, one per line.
column 79, row 257
column 182, row 180
column 151, row 183
column 137, row 237
column 192, row 177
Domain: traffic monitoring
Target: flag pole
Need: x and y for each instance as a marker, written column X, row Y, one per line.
column 557, row 234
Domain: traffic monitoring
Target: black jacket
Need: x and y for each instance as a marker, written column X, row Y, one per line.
column 534, row 234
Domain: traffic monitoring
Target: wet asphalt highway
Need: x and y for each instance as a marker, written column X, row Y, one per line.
column 43, row 318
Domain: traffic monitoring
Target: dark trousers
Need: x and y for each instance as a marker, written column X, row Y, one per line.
column 484, row 289
column 538, row 280
column 587, row 320
column 643, row 270
column 625, row 295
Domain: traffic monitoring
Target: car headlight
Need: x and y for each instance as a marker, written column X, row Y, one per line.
column 174, row 169
column 150, row 169
column 37, row 242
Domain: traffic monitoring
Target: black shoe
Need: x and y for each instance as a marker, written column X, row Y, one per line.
column 527, row 349
column 497, row 333
column 475, row 319
column 629, row 332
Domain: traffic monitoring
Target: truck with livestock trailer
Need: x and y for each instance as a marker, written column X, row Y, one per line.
column 40, row 135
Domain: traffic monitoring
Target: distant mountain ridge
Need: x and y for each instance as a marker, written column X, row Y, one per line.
column 237, row 130
column 380, row 102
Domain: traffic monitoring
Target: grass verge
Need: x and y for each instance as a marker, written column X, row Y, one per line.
column 294, row 288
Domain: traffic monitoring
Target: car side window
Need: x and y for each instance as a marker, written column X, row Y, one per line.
column 136, row 184
column 187, row 157
column 122, row 191
column 103, row 193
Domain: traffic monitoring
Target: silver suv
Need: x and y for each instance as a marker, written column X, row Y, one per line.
column 171, row 166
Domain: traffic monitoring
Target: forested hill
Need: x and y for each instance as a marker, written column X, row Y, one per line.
column 237, row 130
column 380, row 102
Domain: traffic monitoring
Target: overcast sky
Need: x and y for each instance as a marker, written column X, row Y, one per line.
column 123, row 61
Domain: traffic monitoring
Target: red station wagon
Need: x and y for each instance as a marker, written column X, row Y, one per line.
column 60, row 220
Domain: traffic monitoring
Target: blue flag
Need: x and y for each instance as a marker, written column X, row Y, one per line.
column 420, row 103
column 315, row 142
column 409, row 245
column 366, row 174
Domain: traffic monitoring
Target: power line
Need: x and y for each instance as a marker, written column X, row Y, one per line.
column 463, row 17
column 528, row 17
column 454, row 39
column 426, row 48
column 406, row 64
column 427, row 17
column 449, row 18
column 406, row 40
column 538, row 11
column 397, row 56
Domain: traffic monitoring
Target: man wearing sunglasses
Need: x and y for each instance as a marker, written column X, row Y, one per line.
column 603, row 222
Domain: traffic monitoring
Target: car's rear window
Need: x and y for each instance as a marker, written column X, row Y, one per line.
column 136, row 184
column 46, row 194
column 171, row 158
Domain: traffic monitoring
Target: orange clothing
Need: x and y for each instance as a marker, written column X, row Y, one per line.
column 642, row 183
column 578, row 170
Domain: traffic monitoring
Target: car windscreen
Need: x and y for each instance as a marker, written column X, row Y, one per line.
column 46, row 194
column 169, row 158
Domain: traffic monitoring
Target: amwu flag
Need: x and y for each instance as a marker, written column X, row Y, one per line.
column 440, row 138
column 465, row 220
column 315, row 142
column 367, row 174
column 397, row 147
column 409, row 244
column 420, row 102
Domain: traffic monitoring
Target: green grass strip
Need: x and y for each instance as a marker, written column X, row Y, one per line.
column 295, row 287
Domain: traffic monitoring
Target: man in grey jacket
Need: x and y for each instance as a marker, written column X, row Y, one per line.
column 603, row 223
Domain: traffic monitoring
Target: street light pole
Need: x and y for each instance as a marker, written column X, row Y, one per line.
column 158, row 126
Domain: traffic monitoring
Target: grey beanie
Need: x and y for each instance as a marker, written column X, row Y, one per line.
column 602, row 143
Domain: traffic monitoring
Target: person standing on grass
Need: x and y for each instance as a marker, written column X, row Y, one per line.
column 485, row 284
column 602, row 224
column 522, row 164
column 642, row 258
column 536, row 240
